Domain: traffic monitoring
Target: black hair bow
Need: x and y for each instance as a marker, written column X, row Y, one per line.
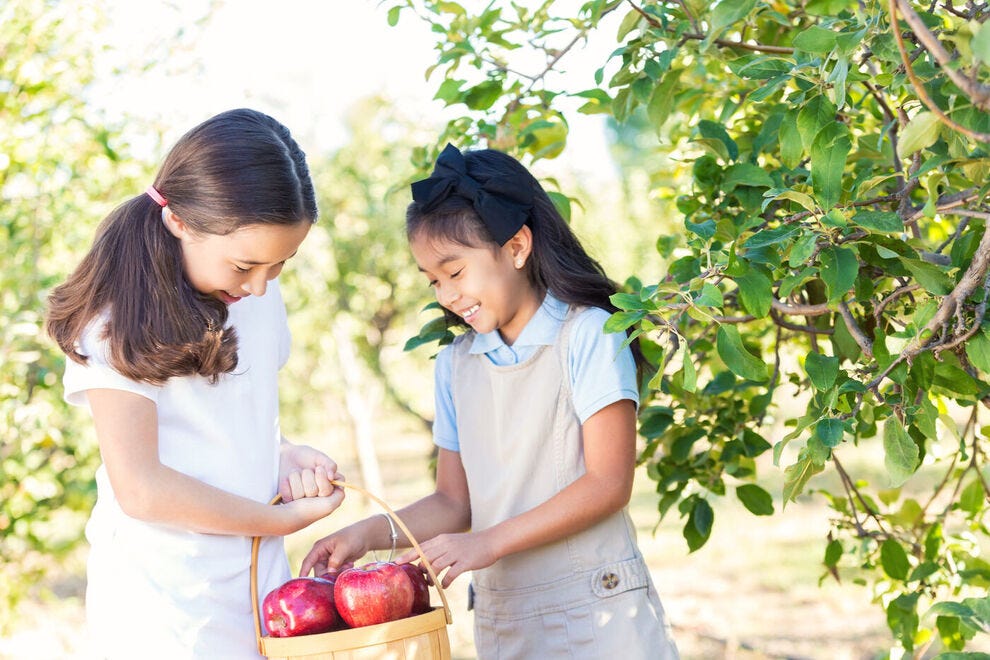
column 502, row 202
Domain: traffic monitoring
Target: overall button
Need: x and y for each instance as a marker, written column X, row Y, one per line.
column 610, row 580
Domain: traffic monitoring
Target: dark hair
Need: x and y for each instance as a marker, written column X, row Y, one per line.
column 234, row 170
column 558, row 262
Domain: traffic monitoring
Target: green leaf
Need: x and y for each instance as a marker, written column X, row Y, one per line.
column 725, row 14
column 801, row 198
column 894, row 560
column 822, row 370
column 796, row 477
column 833, row 553
column 689, row 377
column 662, row 100
column 699, row 524
column 930, row 276
column 449, row 91
column 735, row 356
column 482, row 96
column 973, row 498
column 626, row 301
column 755, row 292
column 619, row 321
column 829, row 431
column 921, row 132
column 745, row 174
column 900, row 452
column 816, row 40
column 881, row 221
column 755, row 499
column 716, row 131
column 791, row 148
column 980, row 43
column 774, row 236
column 629, row 22
column 562, row 203
column 710, row 296
column 760, row 67
column 828, row 161
column 978, row 351
column 838, row 267
column 393, row 15
column 816, row 114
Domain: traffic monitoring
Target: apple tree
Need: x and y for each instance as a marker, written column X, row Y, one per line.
column 828, row 161
column 60, row 169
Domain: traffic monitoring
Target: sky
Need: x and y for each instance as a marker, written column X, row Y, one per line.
column 303, row 61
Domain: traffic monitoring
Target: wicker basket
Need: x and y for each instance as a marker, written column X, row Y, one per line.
column 421, row 637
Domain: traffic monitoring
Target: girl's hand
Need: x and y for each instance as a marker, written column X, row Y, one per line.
column 456, row 553
column 304, row 511
column 306, row 472
column 346, row 545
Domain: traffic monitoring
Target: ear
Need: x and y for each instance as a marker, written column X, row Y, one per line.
column 519, row 247
column 174, row 223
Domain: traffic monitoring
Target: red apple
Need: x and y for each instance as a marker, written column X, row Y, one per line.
column 373, row 593
column 301, row 606
column 421, row 588
column 330, row 575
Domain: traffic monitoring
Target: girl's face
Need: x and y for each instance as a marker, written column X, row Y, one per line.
column 487, row 288
column 238, row 264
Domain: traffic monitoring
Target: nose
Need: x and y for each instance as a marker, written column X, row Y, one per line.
column 257, row 283
column 447, row 295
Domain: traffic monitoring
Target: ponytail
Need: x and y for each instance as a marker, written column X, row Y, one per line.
column 236, row 169
column 157, row 326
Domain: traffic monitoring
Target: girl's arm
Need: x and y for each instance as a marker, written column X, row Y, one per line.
column 126, row 428
column 610, row 458
column 447, row 509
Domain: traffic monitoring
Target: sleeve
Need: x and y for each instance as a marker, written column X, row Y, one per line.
column 603, row 371
column 97, row 372
column 445, row 419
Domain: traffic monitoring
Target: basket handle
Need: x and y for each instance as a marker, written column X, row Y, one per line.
column 256, row 544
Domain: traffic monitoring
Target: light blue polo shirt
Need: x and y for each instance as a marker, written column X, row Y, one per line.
column 601, row 370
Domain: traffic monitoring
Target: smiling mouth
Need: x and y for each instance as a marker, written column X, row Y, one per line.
column 227, row 298
column 470, row 311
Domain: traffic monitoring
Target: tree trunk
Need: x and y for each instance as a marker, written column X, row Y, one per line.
column 362, row 398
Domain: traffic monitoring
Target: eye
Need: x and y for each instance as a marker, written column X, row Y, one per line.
column 454, row 275
column 241, row 270
column 433, row 283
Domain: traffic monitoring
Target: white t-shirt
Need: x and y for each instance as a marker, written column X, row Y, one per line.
column 158, row 591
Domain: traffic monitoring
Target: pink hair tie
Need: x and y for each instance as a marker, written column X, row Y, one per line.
column 157, row 196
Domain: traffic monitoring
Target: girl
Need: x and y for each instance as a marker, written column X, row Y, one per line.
column 535, row 423
column 175, row 330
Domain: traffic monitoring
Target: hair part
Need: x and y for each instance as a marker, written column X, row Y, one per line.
column 236, row 169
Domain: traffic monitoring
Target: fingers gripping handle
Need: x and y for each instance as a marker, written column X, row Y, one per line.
column 390, row 515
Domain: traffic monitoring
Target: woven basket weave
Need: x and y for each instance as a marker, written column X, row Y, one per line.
column 421, row 637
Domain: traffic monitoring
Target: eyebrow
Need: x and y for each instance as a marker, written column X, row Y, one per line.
column 443, row 262
column 250, row 262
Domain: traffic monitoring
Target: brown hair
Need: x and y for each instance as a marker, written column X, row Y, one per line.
column 236, row 169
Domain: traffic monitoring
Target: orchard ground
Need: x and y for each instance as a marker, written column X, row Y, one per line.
column 751, row 593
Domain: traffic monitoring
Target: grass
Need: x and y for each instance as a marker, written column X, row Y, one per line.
column 751, row 593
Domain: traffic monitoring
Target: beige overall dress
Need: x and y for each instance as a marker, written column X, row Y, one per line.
column 586, row 596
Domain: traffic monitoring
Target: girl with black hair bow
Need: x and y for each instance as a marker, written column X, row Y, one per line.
column 535, row 424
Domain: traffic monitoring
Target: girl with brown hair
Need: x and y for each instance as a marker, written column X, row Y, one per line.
column 175, row 329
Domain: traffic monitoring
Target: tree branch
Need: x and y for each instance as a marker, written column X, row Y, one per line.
column 722, row 43
column 919, row 86
column 862, row 340
column 979, row 94
column 932, row 336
